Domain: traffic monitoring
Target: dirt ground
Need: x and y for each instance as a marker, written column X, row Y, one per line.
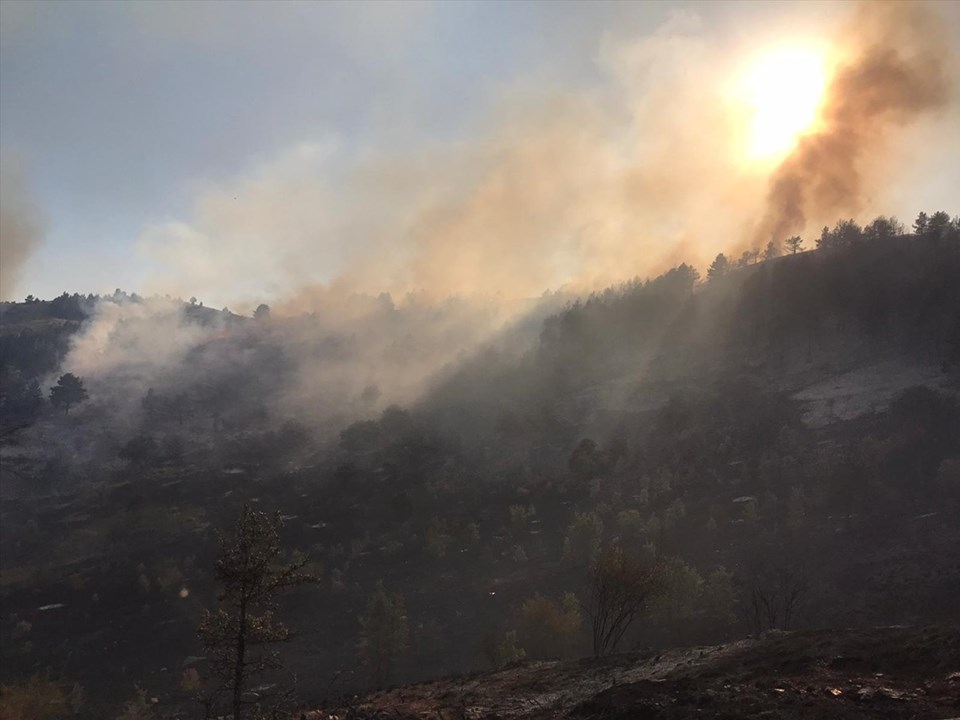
column 890, row 672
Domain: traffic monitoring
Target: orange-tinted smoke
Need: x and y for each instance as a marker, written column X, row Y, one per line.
column 898, row 72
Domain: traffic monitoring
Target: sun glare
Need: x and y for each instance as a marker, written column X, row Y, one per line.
column 783, row 90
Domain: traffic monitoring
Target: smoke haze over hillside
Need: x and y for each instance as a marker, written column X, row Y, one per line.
column 384, row 261
column 896, row 71
column 642, row 170
column 21, row 229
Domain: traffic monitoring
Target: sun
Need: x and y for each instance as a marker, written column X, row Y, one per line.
column 784, row 90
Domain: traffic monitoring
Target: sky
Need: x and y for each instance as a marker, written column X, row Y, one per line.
column 249, row 151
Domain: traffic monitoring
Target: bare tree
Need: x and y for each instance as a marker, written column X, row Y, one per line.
column 774, row 595
column 619, row 589
column 251, row 572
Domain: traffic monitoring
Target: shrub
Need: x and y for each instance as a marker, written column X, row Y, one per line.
column 548, row 628
column 37, row 698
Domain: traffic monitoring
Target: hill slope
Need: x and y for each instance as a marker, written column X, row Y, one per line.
column 886, row 672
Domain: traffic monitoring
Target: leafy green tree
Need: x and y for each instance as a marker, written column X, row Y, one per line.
column 883, row 228
column 384, row 633
column 939, row 226
column 719, row 268
column 847, row 233
column 920, row 224
column 251, row 571
column 68, row 391
column 582, row 541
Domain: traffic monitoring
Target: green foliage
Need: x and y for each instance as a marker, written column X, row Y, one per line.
column 548, row 628
column 251, row 572
column 679, row 597
column 383, row 633
column 582, row 542
column 504, row 650
column 845, row 234
column 720, row 267
column 794, row 244
column 718, row 597
column 620, row 588
column 68, row 391
column 883, row 228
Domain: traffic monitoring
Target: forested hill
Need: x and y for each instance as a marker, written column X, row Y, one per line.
column 779, row 440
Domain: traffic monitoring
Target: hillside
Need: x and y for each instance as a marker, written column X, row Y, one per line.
column 887, row 672
column 781, row 441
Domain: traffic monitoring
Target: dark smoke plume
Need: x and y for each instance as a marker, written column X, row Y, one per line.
column 897, row 74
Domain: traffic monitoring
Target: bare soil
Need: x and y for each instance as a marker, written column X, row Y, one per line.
column 889, row 672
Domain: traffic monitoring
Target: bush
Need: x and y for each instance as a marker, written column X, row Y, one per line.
column 37, row 698
column 547, row 628
column 501, row 652
column 582, row 542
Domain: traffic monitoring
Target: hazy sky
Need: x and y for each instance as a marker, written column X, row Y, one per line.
column 132, row 126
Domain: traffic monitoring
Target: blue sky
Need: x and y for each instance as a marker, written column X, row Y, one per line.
column 122, row 116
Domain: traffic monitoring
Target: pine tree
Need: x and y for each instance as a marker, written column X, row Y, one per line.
column 795, row 244
column 68, row 391
column 251, row 572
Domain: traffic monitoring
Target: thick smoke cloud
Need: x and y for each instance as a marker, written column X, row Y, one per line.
column 383, row 265
column 555, row 187
column 898, row 72
column 21, row 228
column 643, row 169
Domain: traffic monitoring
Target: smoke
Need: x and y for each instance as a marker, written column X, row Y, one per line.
column 554, row 187
column 896, row 74
column 21, row 229
column 642, row 168
column 386, row 264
